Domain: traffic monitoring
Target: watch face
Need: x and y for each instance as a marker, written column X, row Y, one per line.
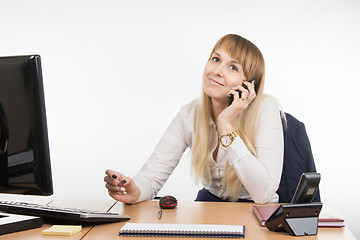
column 226, row 140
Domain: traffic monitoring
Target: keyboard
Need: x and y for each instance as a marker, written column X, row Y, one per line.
column 60, row 214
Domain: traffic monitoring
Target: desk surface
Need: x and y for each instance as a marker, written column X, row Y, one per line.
column 186, row 212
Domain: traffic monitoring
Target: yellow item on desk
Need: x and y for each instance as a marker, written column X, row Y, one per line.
column 62, row 230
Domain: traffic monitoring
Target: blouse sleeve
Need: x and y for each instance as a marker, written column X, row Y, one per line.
column 260, row 175
column 166, row 156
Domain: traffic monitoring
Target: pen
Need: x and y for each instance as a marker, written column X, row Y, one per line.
column 160, row 214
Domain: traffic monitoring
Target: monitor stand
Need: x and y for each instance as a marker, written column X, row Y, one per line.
column 13, row 222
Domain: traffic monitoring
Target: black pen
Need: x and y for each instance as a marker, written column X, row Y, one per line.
column 160, row 214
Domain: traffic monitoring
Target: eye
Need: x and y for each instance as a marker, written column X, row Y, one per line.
column 232, row 67
column 215, row 59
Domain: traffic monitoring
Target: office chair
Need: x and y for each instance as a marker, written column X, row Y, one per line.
column 298, row 158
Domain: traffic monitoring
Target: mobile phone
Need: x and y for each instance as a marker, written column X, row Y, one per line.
column 231, row 96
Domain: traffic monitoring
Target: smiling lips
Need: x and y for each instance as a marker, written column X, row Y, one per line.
column 214, row 82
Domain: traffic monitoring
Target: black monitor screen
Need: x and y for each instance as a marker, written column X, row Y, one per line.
column 24, row 149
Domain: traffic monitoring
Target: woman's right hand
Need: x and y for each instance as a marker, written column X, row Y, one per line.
column 120, row 187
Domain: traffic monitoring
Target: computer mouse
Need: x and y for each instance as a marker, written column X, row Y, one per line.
column 168, row 202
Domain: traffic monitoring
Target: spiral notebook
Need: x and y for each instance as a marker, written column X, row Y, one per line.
column 182, row 230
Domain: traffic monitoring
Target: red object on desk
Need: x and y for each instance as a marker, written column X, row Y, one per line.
column 263, row 212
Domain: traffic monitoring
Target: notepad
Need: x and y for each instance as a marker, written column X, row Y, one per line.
column 182, row 230
column 62, row 230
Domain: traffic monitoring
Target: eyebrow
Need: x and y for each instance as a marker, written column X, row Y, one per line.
column 233, row 61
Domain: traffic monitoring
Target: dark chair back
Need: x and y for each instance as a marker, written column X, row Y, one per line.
column 298, row 158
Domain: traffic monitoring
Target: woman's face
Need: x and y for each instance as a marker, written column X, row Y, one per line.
column 221, row 74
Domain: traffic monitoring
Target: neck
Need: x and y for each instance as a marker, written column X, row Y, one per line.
column 216, row 108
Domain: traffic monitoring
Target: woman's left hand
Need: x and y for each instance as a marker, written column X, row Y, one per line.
column 228, row 115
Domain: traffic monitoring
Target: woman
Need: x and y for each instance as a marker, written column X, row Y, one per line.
column 237, row 150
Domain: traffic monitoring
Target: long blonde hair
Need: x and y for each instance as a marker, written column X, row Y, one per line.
column 252, row 61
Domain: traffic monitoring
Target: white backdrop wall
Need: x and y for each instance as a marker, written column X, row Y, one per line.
column 116, row 72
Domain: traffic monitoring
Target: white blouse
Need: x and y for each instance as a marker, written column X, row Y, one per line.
column 260, row 176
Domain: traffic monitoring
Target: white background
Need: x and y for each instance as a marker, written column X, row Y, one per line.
column 116, row 73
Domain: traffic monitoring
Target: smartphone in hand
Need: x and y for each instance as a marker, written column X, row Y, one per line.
column 231, row 96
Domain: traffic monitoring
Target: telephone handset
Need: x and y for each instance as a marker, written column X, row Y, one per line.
column 231, row 96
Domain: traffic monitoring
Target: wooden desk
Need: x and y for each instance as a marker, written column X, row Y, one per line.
column 204, row 213
column 186, row 212
column 34, row 234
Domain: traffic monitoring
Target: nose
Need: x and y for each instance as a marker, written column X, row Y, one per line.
column 219, row 70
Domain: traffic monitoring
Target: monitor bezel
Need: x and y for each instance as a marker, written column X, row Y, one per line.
column 43, row 184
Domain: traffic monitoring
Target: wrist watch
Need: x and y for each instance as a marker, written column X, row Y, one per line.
column 227, row 139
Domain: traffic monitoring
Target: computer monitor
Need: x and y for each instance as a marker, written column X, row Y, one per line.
column 24, row 149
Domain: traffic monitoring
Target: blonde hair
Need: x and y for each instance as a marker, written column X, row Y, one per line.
column 252, row 62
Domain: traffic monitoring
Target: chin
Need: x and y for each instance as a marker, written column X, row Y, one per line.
column 216, row 96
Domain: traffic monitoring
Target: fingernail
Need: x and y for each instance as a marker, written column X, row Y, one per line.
column 114, row 176
column 122, row 189
column 123, row 181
